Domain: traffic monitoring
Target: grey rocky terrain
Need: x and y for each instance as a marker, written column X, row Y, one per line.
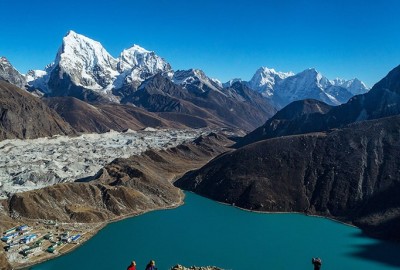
column 37, row 163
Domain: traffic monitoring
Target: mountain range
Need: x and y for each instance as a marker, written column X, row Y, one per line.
column 84, row 64
column 83, row 69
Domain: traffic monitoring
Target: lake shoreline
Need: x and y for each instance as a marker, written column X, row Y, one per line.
column 203, row 232
column 278, row 212
column 101, row 226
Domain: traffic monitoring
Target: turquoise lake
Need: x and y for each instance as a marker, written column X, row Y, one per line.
column 203, row 232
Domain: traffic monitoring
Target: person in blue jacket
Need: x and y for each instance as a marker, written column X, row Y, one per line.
column 151, row 265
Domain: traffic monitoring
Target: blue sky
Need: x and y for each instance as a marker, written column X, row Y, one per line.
column 226, row 39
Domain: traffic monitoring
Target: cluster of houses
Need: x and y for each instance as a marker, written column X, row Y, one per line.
column 21, row 235
column 15, row 232
column 64, row 238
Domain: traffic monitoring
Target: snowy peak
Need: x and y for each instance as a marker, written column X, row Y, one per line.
column 265, row 79
column 311, row 77
column 136, row 64
column 354, row 86
column 310, row 84
column 285, row 87
column 86, row 62
column 138, row 57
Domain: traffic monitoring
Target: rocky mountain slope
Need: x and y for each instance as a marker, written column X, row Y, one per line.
column 349, row 173
column 25, row 116
column 237, row 106
column 9, row 74
column 381, row 101
column 99, row 118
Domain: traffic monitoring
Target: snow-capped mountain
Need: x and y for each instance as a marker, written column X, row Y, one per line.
column 264, row 80
column 136, row 64
column 310, row 84
column 10, row 74
column 354, row 86
column 83, row 68
column 80, row 63
column 284, row 87
column 86, row 62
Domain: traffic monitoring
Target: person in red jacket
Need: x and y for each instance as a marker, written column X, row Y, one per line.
column 132, row 266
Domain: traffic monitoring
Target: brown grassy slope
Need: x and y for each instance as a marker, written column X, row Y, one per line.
column 24, row 116
column 85, row 117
